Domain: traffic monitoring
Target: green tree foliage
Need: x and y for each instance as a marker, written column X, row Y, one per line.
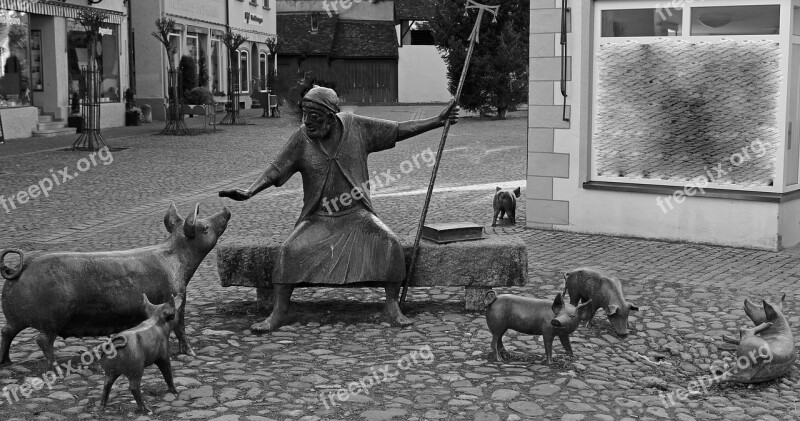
column 188, row 71
column 202, row 69
column 498, row 74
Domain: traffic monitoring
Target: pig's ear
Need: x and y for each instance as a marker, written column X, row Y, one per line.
column 497, row 189
column 632, row 307
column 516, row 192
column 558, row 304
column 178, row 299
column 146, row 303
column 612, row 309
column 172, row 219
column 189, row 225
column 769, row 311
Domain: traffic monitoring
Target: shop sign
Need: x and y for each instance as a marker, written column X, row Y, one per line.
column 253, row 19
column 106, row 31
column 6, row 18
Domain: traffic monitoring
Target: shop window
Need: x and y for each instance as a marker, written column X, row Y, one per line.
column 14, row 61
column 736, row 20
column 106, row 56
column 192, row 47
column 676, row 107
column 421, row 34
column 262, row 71
column 175, row 43
column 244, row 65
column 641, row 22
column 216, row 66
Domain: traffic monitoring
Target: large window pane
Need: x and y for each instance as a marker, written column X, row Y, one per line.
column 14, row 60
column 736, row 20
column 215, row 66
column 244, row 64
column 262, row 72
column 191, row 47
column 175, row 43
column 661, row 22
column 106, row 56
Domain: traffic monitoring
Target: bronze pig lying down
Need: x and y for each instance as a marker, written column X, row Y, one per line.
column 766, row 351
column 92, row 294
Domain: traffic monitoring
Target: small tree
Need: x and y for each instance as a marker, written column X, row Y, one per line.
column 232, row 42
column 91, row 138
column 188, row 70
column 202, row 69
column 498, row 74
column 175, row 124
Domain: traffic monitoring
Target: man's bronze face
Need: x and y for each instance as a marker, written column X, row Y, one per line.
column 318, row 120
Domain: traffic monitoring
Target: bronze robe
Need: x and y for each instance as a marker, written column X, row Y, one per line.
column 340, row 244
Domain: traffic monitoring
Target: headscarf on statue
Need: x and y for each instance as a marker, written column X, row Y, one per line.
column 324, row 97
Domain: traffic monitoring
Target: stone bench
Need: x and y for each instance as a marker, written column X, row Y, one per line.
column 496, row 261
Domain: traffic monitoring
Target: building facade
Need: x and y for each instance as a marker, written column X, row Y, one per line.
column 200, row 25
column 349, row 46
column 42, row 51
column 678, row 123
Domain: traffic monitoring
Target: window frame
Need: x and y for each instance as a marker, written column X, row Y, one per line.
column 242, row 69
column 782, row 38
column 263, row 69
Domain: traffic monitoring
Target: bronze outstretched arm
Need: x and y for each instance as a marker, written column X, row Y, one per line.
column 412, row 128
column 266, row 179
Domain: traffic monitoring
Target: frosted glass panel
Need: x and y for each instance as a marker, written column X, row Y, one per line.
column 641, row 22
column 676, row 110
column 736, row 20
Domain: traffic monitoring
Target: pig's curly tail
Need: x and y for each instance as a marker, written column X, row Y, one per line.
column 8, row 272
column 119, row 341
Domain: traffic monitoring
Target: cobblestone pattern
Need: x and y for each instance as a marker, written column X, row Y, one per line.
column 671, row 109
column 688, row 296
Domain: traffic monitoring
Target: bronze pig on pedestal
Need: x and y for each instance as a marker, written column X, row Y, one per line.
column 534, row 317
column 140, row 347
column 766, row 351
column 91, row 294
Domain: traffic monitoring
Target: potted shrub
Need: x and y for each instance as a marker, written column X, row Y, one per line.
column 196, row 99
column 147, row 113
column 133, row 116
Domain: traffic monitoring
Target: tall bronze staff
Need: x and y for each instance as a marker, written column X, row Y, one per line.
column 473, row 38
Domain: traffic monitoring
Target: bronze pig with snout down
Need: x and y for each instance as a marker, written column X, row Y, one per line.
column 535, row 317
column 71, row 294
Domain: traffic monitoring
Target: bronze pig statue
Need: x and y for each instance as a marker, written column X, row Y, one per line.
column 532, row 316
column 604, row 292
column 140, row 347
column 99, row 293
column 766, row 351
column 505, row 203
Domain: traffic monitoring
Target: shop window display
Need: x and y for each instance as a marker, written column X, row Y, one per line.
column 14, row 59
column 106, row 55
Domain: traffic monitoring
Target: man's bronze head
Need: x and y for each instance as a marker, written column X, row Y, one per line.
column 319, row 107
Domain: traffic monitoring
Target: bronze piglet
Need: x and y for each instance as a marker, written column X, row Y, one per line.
column 505, row 203
column 77, row 294
column 140, row 347
column 604, row 292
column 532, row 316
column 765, row 351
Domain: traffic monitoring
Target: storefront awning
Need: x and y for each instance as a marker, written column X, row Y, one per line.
column 65, row 10
column 254, row 36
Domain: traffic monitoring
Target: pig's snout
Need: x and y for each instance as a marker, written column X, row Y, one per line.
column 555, row 322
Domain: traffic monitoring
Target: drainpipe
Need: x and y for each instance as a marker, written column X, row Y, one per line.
column 131, row 52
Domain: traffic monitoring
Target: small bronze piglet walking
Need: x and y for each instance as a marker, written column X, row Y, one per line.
column 505, row 203
column 140, row 347
column 535, row 317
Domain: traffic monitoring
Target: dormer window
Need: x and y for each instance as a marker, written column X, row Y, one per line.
column 314, row 23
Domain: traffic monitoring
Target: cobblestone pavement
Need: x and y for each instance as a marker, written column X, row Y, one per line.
column 688, row 295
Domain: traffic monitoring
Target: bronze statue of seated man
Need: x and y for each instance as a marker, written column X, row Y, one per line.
column 338, row 239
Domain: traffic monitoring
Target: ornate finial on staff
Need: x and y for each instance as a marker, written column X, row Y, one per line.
column 473, row 38
column 481, row 8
